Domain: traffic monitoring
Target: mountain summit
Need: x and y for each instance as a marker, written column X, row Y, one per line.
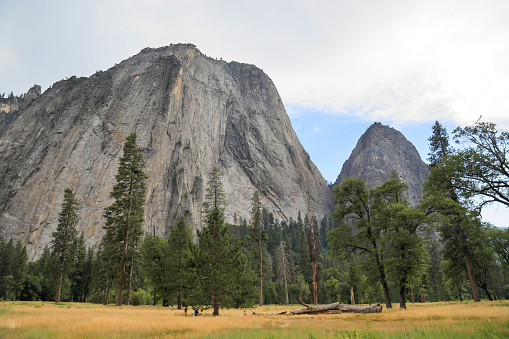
column 191, row 113
column 380, row 150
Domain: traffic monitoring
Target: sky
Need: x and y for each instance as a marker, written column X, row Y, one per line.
column 338, row 65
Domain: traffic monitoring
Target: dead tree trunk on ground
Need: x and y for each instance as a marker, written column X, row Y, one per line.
column 336, row 308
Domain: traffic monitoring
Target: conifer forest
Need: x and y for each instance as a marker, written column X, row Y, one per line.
column 375, row 247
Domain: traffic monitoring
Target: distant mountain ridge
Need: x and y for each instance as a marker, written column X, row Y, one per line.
column 380, row 150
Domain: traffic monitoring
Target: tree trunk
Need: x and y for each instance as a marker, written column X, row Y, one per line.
column 215, row 303
column 128, row 302
column 179, row 300
column 402, row 296
column 286, row 286
column 122, row 268
column 352, row 297
column 423, row 299
column 339, row 307
column 59, row 281
column 106, row 295
column 386, row 293
column 261, row 264
column 486, row 290
column 119, row 286
column 473, row 285
column 412, row 295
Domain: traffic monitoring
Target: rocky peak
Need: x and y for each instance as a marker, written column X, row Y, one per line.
column 191, row 112
column 380, row 150
column 11, row 106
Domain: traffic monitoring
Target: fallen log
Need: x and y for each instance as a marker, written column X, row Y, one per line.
column 339, row 307
column 342, row 308
column 280, row 313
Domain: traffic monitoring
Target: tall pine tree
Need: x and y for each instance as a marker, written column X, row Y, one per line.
column 180, row 245
column 124, row 218
column 64, row 238
column 259, row 235
column 457, row 229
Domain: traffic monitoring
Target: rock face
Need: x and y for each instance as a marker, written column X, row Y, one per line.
column 380, row 150
column 190, row 112
column 11, row 107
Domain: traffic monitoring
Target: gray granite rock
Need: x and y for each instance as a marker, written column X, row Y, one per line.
column 190, row 112
column 380, row 150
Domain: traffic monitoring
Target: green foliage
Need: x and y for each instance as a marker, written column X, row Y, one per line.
column 221, row 267
column 214, row 194
column 124, row 218
column 359, row 207
column 480, row 169
column 156, row 266
column 438, row 144
column 180, row 259
column 64, row 242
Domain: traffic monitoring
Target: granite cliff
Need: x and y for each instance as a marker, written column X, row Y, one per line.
column 190, row 112
column 380, row 150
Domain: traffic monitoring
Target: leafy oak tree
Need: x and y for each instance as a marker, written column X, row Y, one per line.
column 355, row 207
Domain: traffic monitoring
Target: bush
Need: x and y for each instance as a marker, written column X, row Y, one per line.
column 140, row 297
column 136, row 299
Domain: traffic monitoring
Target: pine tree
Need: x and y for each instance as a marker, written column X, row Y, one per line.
column 124, row 218
column 156, row 266
column 65, row 236
column 438, row 144
column 314, row 248
column 219, row 262
column 179, row 250
column 441, row 197
column 283, row 266
column 259, row 235
column 214, row 194
column 20, row 269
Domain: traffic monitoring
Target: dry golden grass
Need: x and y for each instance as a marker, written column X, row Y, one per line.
column 37, row 319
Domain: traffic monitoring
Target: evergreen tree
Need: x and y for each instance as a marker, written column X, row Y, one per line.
column 6, row 267
column 180, row 256
column 457, row 227
column 314, row 249
column 124, row 218
column 438, row 144
column 77, row 272
column 65, row 236
column 20, row 271
column 155, row 266
column 259, row 235
column 304, row 260
column 282, row 258
column 219, row 262
column 214, row 194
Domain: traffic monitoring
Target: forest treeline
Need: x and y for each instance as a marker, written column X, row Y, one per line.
column 375, row 244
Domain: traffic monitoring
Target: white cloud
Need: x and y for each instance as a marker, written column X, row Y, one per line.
column 393, row 60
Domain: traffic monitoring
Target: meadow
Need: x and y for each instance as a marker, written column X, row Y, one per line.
column 81, row 320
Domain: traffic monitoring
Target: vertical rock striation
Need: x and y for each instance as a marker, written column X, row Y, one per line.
column 380, row 150
column 190, row 112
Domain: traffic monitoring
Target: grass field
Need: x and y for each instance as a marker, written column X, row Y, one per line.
column 76, row 320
